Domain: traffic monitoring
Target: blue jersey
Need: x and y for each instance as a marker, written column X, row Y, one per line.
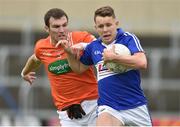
column 120, row 91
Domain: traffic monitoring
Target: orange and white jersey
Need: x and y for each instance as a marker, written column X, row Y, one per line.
column 67, row 87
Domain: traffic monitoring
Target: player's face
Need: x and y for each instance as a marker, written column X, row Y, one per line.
column 106, row 28
column 58, row 29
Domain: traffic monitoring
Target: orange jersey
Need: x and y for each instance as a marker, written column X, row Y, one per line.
column 67, row 87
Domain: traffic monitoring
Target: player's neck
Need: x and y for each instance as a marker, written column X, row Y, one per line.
column 52, row 42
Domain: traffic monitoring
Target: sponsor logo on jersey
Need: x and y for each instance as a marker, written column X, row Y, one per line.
column 59, row 67
column 97, row 52
column 102, row 71
column 101, row 67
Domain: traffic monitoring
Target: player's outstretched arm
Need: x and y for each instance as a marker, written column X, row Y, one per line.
column 75, row 64
column 31, row 65
column 73, row 55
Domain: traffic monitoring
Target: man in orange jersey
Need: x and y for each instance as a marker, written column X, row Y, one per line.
column 74, row 95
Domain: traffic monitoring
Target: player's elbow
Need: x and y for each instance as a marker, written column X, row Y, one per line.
column 142, row 64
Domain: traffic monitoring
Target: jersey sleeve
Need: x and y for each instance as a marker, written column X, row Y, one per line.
column 88, row 37
column 36, row 50
column 86, row 56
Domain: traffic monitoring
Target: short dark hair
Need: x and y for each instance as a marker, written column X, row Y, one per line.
column 55, row 13
column 104, row 11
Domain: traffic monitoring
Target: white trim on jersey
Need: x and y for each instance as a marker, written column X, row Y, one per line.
column 36, row 58
column 136, row 40
column 106, row 45
column 93, row 38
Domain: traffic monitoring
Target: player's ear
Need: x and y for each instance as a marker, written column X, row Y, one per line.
column 95, row 26
column 117, row 22
column 46, row 29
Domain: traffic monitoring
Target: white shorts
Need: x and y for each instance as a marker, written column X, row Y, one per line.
column 132, row 117
column 90, row 107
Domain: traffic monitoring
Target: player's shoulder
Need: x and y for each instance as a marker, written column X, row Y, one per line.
column 130, row 35
column 82, row 36
column 42, row 42
column 80, row 33
column 95, row 43
column 126, row 37
column 124, row 34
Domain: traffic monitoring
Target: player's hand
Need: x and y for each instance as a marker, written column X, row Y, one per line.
column 65, row 44
column 108, row 54
column 74, row 50
column 75, row 111
column 77, row 49
column 30, row 77
column 80, row 46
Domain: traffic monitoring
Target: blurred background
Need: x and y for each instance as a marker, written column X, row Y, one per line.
column 155, row 22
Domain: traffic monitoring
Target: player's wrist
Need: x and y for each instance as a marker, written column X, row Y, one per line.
column 84, row 45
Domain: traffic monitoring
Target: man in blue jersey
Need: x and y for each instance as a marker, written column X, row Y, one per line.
column 121, row 99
